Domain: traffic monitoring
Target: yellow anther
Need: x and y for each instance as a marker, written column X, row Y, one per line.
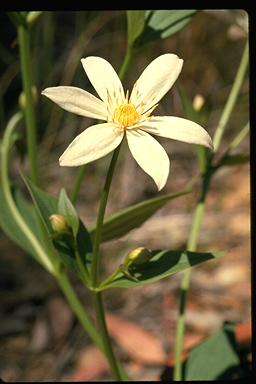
column 126, row 115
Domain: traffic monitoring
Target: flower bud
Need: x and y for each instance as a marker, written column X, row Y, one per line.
column 59, row 223
column 22, row 98
column 198, row 102
column 139, row 255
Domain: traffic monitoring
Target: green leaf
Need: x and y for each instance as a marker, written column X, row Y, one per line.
column 9, row 226
column 163, row 23
column 84, row 243
column 236, row 159
column 163, row 263
column 132, row 217
column 46, row 204
column 67, row 255
column 66, row 208
column 135, row 25
column 216, row 358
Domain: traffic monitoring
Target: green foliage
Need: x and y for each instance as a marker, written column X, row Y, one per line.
column 11, row 228
column 67, row 244
column 163, row 263
column 216, row 358
column 236, row 159
column 135, row 25
column 147, row 26
column 45, row 203
column 66, row 208
column 132, row 217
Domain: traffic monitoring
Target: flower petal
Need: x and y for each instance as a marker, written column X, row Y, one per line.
column 150, row 156
column 177, row 128
column 103, row 77
column 95, row 142
column 156, row 80
column 78, row 101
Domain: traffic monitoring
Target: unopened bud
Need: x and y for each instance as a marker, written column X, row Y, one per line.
column 22, row 97
column 198, row 102
column 59, row 223
column 139, row 255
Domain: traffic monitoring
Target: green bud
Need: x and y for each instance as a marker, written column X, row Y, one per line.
column 59, row 223
column 198, row 102
column 22, row 97
column 139, row 255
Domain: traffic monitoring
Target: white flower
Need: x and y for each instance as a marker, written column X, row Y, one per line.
column 127, row 115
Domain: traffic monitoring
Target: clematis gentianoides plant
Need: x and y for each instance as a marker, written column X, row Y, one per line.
column 127, row 115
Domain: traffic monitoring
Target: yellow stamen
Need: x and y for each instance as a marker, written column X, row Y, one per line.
column 126, row 115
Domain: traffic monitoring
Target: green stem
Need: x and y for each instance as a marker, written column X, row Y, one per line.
column 95, row 269
column 199, row 212
column 126, row 63
column 185, row 282
column 86, row 323
column 105, row 336
column 234, row 144
column 77, row 184
column 26, row 72
column 231, row 99
column 239, row 137
column 79, row 310
column 100, row 219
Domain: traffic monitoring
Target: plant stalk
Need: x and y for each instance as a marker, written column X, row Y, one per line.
column 29, row 109
column 232, row 98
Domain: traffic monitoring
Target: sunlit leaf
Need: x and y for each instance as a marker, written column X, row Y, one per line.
column 135, row 25
column 163, row 263
column 160, row 24
column 132, row 217
column 216, row 358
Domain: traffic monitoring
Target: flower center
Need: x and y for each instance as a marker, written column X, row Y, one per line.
column 126, row 115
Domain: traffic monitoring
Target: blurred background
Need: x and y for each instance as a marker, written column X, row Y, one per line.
column 40, row 338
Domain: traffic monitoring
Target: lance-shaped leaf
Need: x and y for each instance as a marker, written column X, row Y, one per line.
column 160, row 24
column 66, row 208
column 235, row 159
column 163, row 263
column 135, row 25
column 132, row 217
column 45, row 203
column 216, row 358
column 9, row 225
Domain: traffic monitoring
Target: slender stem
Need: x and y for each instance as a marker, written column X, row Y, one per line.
column 100, row 219
column 79, row 310
column 95, row 269
column 239, row 137
column 199, row 212
column 234, row 144
column 26, row 72
column 105, row 336
column 126, row 63
column 185, row 282
column 77, row 184
column 231, row 99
